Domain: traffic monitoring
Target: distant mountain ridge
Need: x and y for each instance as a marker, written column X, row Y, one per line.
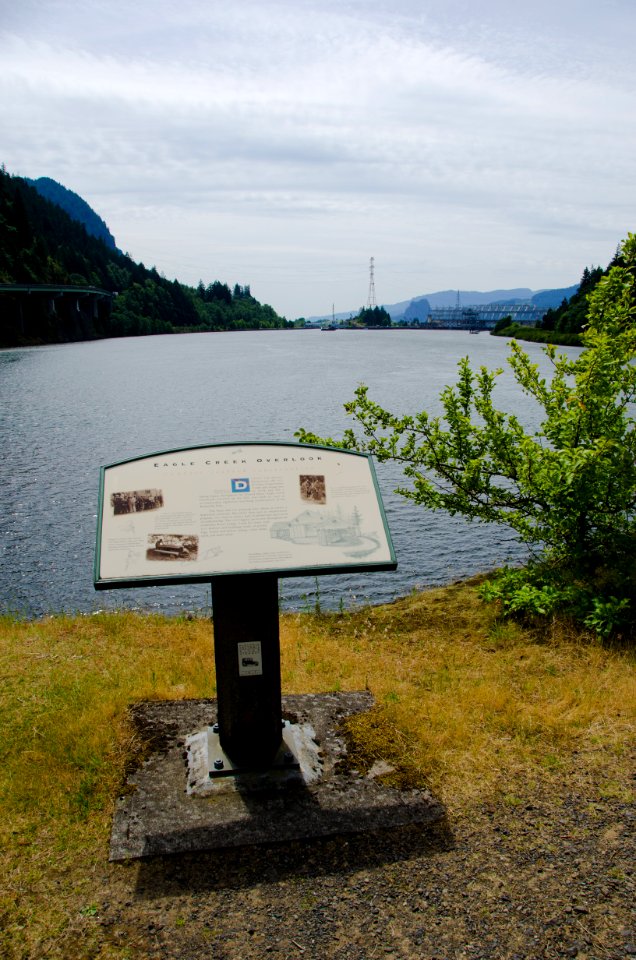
column 419, row 307
column 75, row 206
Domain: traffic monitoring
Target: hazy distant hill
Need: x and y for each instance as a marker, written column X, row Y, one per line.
column 470, row 298
column 554, row 298
column 418, row 307
column 475, row 298
column 75, row 206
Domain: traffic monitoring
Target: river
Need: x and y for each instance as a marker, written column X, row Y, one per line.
column 68, row 409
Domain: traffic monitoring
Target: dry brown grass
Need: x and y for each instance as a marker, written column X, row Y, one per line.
column 65, row 741
column 477, row 704
column 477, row 709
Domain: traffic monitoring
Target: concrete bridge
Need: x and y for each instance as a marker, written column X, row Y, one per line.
column 48, row 312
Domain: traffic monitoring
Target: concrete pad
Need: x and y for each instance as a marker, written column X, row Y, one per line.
column 172, row 805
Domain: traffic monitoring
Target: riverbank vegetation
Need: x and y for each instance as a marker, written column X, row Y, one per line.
column 562, row 325
column 482, row 710
column 567, row 489
column 519, row 331
column 40, row 244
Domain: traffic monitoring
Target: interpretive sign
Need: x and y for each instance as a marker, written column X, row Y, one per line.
column 243, row 508
column 240, row 515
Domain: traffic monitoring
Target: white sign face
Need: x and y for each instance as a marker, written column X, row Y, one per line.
column 250, row 658
column 246, row 508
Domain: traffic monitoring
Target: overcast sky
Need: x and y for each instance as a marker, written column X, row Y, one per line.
column 472, row 145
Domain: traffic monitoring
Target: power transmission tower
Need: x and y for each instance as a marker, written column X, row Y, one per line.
column 371, row 298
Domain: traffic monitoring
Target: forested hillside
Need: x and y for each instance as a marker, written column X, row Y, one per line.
column 571, row 315
column 565, row 323
column 41, row 244
column 75, row 206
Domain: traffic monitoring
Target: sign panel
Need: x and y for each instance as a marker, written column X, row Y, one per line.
column 192, row 514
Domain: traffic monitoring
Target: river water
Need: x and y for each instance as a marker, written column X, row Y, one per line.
column 66, row 410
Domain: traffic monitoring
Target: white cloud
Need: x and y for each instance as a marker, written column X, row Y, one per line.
column 284, row 143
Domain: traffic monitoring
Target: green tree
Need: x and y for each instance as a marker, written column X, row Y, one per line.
column 374, row 317
column 568, row 489
column 571, row 315
column 502, row 324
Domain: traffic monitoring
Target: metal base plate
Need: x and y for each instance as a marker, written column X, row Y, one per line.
column 208, row 765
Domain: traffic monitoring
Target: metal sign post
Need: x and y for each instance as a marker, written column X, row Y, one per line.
column 247, row 659
column 240, row 516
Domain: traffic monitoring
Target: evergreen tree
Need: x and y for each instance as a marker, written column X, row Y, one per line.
column 374, row 317
column 570, row 316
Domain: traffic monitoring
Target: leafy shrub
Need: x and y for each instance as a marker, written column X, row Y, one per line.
column 567, row 489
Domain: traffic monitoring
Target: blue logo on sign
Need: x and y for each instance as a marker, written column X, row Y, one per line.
column 240, row 485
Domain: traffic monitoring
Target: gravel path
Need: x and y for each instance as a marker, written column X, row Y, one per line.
column 551, row 875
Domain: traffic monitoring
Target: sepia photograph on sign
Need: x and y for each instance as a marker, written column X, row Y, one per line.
column 313, row 488
column 173, row 546
column 134, row 501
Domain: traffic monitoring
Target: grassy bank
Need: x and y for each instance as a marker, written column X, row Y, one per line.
column 480, row 710
column 536, row 335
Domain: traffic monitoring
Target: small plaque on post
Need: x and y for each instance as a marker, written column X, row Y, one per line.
column 250, row 659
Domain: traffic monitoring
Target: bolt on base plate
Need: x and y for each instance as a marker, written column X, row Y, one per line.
column 224, row 766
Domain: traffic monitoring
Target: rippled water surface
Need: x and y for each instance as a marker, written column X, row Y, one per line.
column 66, row 410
